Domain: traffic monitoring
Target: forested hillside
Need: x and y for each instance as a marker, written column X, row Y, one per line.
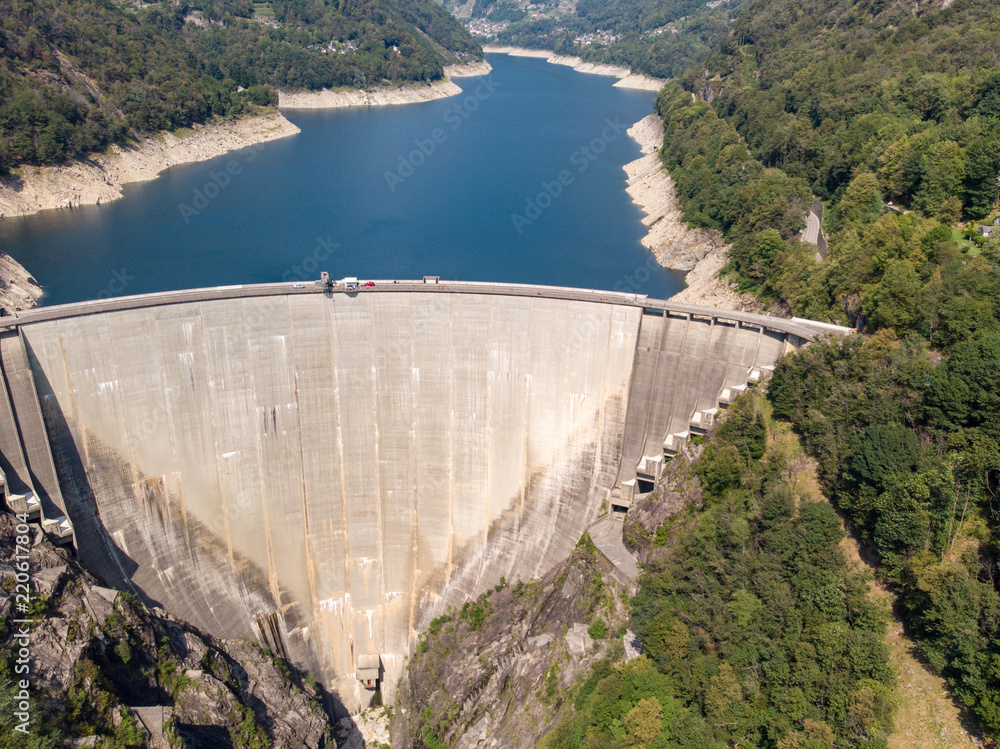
column 891, row 118
column 660, row 39
column 890, row 114
column 77, row 75
column 910, row 451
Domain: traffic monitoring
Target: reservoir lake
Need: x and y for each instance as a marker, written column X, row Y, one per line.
column 518, row 179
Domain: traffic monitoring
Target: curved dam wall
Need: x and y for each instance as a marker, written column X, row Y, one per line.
column 328, row 471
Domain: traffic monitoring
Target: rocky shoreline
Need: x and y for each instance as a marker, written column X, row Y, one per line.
column 627, row 79
column 674, row 244
column 18, row 290
column 377, row 97
column 469, row 70
column 414, row 93
column 99, row 179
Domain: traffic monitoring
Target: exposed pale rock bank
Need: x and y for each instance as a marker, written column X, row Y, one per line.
column 376, row 97
column 674, row 244
column 18, row 290
column 640, row 82
column 469, row 70
column 628, row 79
column 100, row 178
column 412, row 93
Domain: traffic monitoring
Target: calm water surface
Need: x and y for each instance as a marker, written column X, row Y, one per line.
column 518, row 179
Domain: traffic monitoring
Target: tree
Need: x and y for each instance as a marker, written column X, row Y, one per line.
column 881, row 452
column 964, row 391
column 981, row 175
column 862, row 201
column 814, row 735
column 943, row 176
column 892, row 302
column 723, row 697
column 643, row 723
column 900, row 522
column 757, row 263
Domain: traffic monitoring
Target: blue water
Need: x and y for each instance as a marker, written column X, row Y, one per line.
column 519, row 179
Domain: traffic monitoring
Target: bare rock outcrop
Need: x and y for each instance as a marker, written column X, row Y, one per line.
column 371, row 97
column 383, row 96
column 18, row 290
column 468, row 69
column 677, row 487
column 495, row 673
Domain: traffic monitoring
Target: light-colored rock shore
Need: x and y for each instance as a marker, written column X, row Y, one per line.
column 469, row 70
column 674, row 244
column 640, row 82
column 100, row 178
column 18, row 290
column 376, row 97
column 413, row 93
column 628, row 79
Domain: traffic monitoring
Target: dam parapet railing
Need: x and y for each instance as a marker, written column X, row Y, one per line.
column 805, row 329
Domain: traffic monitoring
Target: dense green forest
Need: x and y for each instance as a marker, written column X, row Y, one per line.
column 757, row 631
column 661, row 39
column 892, row 119
column 910, row 452
column 78, row 75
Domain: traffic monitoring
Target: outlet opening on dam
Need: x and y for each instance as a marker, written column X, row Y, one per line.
column 296, row 463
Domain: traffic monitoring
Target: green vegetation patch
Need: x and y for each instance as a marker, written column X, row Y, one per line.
column 756, row 631
column 911, row 453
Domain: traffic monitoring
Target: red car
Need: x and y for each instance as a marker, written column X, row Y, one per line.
column 368, row 283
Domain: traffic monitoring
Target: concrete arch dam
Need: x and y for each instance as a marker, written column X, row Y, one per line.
column 329, row 469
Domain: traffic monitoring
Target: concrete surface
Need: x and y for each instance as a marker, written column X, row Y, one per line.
column 327, row 471
column 606, row 533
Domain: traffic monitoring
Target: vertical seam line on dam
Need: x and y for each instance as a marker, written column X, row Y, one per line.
column 334, row 341
column 375, row 318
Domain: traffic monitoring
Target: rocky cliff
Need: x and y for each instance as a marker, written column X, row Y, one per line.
column 18, row 290
column 675, row 244
column 494, row 673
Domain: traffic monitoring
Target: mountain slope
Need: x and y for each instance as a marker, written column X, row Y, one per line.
column 660, row 39
column 78, row 75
